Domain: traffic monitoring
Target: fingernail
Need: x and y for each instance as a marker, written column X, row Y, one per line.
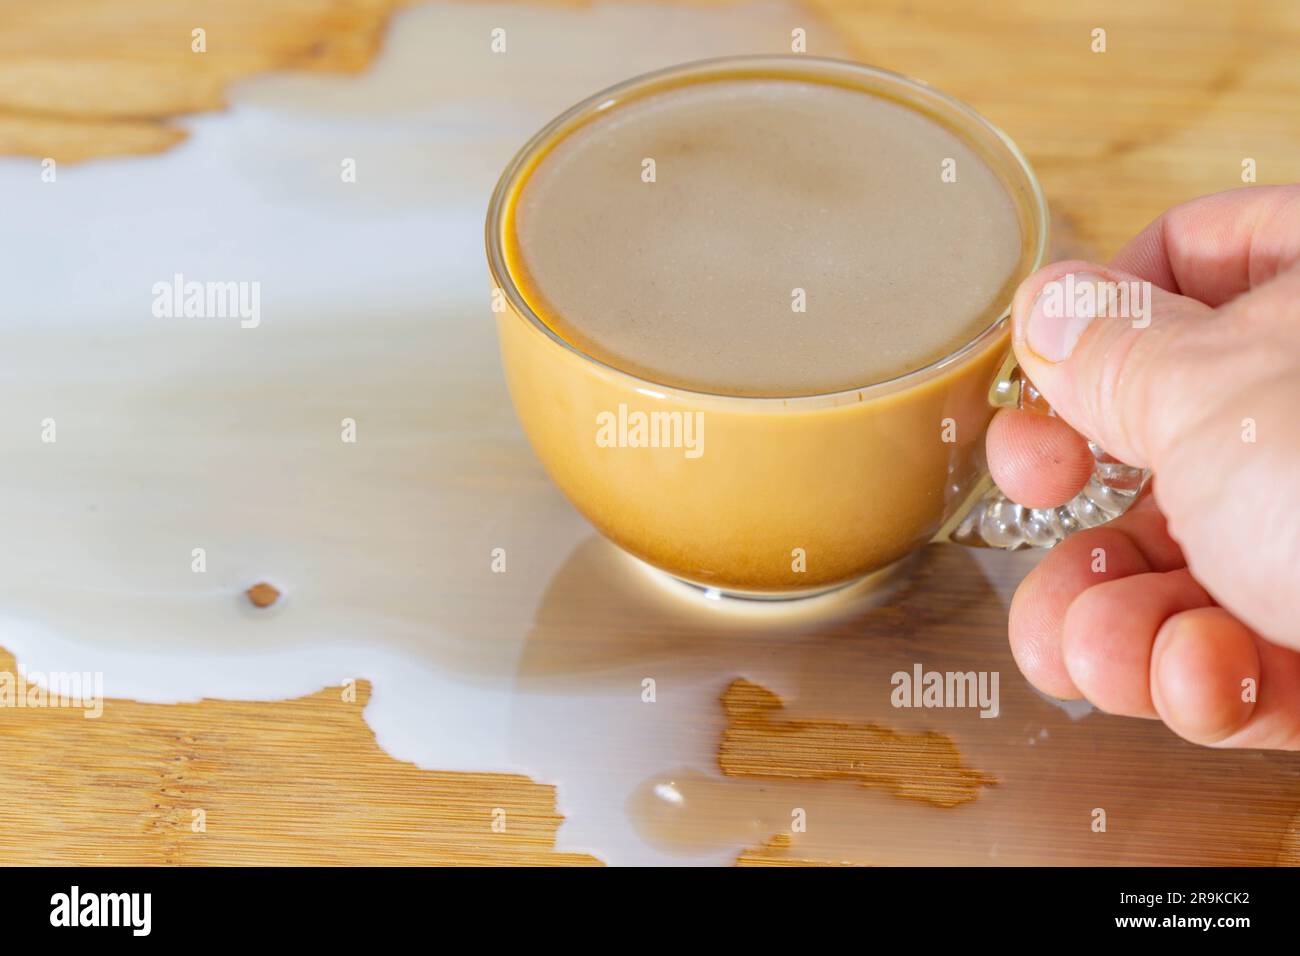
column 1061, row 314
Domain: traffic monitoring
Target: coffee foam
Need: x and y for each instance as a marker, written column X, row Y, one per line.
column 798, row 237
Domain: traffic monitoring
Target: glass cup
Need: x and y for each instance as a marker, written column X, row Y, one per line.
column 787, row 497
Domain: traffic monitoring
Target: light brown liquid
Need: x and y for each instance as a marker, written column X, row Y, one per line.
column 766, row 192
column 772, row 183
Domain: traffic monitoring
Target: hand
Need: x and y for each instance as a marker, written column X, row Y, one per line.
column 1197, row 590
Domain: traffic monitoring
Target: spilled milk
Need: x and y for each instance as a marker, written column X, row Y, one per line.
column 179, row 437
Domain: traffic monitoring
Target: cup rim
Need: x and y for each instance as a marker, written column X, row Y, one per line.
column 610, row 96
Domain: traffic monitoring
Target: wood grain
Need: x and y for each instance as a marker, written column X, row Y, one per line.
column 761, row 742
column 289, row 782
column 1183, row 93
column 777, row 852
column 82, row 79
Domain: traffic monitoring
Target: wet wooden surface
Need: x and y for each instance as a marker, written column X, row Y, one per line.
column 1182, row 97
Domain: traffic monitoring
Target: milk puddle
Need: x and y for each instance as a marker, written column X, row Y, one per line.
column 188, row 442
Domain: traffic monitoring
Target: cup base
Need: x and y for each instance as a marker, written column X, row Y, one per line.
column 871, row 584
column 715, row 593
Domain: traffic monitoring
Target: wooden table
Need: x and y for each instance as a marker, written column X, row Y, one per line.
column 1179, row 100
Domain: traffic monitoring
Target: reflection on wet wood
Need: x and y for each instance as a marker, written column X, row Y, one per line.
column 760, row 742
column 776, row 852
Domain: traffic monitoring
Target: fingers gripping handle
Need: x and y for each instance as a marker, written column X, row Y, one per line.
column 995, row 521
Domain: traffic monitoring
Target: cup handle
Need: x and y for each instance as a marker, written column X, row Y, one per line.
column 995, row 521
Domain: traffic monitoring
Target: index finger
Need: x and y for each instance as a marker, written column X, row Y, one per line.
column 1218, row 247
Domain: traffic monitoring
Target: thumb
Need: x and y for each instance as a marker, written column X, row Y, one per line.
column 1170, row 388
column 1118, row 358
